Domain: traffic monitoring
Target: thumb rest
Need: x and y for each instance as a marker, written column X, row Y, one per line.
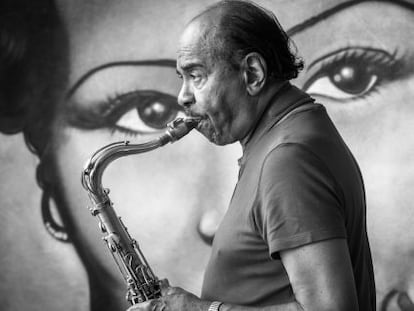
column 142, row 284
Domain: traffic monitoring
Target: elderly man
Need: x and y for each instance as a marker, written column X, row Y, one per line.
column 294, row 236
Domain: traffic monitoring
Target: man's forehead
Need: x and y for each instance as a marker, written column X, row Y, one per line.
column 190, row 45
column 190, row 37
column 189, row 58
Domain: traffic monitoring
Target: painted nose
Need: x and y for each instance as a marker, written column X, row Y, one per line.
column 208, row 225
column 219, row 179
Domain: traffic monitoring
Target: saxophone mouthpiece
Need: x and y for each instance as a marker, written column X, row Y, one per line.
column 178, row 128
column 192, row 122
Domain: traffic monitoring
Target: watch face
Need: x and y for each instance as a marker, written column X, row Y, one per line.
column 215, row 306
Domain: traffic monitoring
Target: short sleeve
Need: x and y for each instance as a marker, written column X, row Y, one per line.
column 299, row 200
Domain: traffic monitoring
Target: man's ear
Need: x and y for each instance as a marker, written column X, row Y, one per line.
column 254, row 73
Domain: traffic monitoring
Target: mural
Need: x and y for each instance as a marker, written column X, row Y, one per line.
column 77, row 75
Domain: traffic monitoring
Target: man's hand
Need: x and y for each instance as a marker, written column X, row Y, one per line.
column 173, row 299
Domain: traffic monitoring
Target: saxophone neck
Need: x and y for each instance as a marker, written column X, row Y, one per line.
column 95, row 166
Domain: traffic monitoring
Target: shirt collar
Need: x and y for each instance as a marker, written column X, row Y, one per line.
column 287, row 98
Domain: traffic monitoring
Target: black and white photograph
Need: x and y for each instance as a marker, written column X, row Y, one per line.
column 207, row 155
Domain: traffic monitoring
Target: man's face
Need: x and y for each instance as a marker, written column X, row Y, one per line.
column 211, row 90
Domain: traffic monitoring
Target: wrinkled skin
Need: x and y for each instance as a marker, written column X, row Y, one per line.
column 212, row 90
column 358, row 64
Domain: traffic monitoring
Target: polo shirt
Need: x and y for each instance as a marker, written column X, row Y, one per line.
column 298, row 184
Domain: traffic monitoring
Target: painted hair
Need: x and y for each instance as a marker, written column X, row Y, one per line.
column 33, row 75
column 33, row 68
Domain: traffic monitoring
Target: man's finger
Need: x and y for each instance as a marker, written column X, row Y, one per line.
column 141, row 306
column 164, row 283
column 166, row 289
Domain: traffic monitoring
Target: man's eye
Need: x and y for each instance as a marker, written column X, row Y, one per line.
column 352, row 73
column 198, row 79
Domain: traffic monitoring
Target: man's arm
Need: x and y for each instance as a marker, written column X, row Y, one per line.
column 321, row 277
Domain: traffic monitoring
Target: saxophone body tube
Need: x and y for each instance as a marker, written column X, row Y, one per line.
column 142, row 283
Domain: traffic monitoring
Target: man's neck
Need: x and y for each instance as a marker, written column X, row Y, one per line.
column 265, row 99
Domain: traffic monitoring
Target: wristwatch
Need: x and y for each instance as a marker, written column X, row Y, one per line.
column 215, row 306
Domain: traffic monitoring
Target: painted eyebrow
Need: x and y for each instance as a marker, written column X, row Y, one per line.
column 335, row 9
column 172, row 63
column 151, row 62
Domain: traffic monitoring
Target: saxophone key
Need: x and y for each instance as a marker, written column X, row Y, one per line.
column 102, row 227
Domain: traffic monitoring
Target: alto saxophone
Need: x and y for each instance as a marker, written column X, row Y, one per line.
column 142, row 284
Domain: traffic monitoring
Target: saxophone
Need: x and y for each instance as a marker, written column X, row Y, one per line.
column 142, row 284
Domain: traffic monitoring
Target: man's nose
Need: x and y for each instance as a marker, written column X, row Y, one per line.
column 186, row 96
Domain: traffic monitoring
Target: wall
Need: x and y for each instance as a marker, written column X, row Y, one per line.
column 118, row 82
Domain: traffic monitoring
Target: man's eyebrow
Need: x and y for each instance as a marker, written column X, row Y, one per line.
column 189, row 66
column 89, row 73
column 335, row 9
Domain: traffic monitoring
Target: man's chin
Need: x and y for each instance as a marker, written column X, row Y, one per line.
column 205, row 128
column 211, row 137
column 209, row 132
column 216, row 139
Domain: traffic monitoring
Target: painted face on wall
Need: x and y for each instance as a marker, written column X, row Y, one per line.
column 123, row 85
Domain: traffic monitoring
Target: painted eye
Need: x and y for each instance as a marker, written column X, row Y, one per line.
column 144, row 112
column 344, row 84
column 351, row 73
column 133, row 113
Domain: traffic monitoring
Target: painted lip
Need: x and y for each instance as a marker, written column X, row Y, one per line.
column 397, row 298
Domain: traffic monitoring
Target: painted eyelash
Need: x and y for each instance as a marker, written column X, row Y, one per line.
column 114, row 129
column 375, row 58
column 113, row 102
column 106, row 112
column 353, row 50
column 118, row 104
